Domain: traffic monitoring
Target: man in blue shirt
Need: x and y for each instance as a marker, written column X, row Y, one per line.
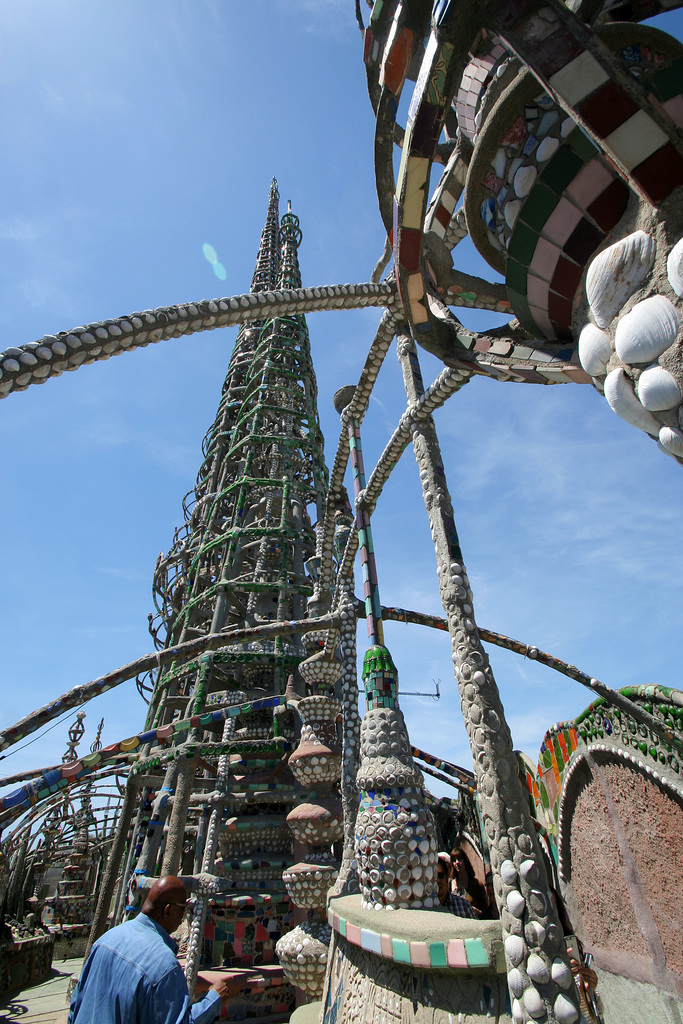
column 132, row 975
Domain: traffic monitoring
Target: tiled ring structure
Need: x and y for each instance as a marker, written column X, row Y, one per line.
column 635, row 143
column 457, row 953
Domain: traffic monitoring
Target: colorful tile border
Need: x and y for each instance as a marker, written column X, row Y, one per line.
column 575, row 202
column 51, row 781
column 639, row 148
column 452, row 954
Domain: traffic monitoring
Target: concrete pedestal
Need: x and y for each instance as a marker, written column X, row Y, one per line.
column 422, row 966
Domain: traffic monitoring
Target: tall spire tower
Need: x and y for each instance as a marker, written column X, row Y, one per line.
column 218, row 814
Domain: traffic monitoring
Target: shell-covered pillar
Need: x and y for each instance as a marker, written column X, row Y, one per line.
column 316, row 822
column 347, row 880
column 539, row 979
column 397, row 954
column 395, row 844
column 395, row 837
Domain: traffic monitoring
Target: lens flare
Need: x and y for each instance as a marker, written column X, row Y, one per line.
column 209, row 253
column 219, row 271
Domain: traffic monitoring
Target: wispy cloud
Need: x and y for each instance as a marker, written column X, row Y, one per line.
column 93, row 99
column 21, row 230
column 119, row 573
column 320, row 15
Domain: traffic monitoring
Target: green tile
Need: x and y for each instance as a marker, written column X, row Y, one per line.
column 538, row 207
column 401, row 951
column 582, row 145
column 669, row 82
column 522, row 244
column 558, row 752
column 515, row 276
column 562, row 169
column 437, row 954
column 521, row 307
column 342, row 926
column 476, row 954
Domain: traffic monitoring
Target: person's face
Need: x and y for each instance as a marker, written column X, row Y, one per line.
column 458, row 862
column 441, row 881
column 174, row 912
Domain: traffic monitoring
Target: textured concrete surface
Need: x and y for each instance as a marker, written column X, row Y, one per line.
column 45, row 1003
column 624, row 1001
column 307, row 1014
column 626, row 858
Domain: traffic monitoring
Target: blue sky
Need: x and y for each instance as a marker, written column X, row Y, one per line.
column 132, row 134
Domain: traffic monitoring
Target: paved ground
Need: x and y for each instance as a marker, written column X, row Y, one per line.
column 41, row 1004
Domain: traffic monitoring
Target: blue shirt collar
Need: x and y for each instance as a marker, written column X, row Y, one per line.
column 146, row 922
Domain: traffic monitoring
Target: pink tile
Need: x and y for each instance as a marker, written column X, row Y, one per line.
column 537, row 291
column 674, row 108
column 562, row 222
column 353, row 933
column 589, row 183
column 545, row 259
column 456, row 953
column 387, row 950
column 542, row 319
column 335, row 922
column 419, row 954
column 578, row 375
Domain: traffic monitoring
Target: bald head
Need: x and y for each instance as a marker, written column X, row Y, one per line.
column 166, row 902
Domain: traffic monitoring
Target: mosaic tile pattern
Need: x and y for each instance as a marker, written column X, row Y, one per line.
column 606, row 726
column 475, row 79
column 58, row 778
column 245, row 930
column 634, row 141
column 458, row 954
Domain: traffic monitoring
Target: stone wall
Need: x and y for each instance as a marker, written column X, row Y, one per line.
column 622, row 847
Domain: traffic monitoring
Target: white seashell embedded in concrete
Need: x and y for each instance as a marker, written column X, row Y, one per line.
column 664, row 451
column 512, row 212
column 524, row 180
column 515, row 949
column 658, row 389
column 595, row 349
column 647, row 331
column 535, row 933
column 537, row 969
column 546, row 149
column 508, row 872
column 533, row 1003
column 615, row 274
column 565, row 1011
column 674, row 268
column 622, row 401
column 528, row 870
column 498, row 163
column 516, row 982
column 515, row 903
column 514, row 167
column 672, row 441
column 517, row 1012
column 561, row 973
